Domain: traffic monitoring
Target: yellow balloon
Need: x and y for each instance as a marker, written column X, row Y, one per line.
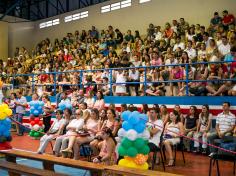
column 9, row 112
column 144, row 166
column 2, row 116
column 5, row 106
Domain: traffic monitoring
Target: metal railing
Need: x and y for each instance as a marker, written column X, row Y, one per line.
column 110, row 72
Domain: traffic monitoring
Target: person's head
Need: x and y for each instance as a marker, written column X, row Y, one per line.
column 19, row 94
column 124, row 107
column 177, row 108
column 67, row 112
column 100, row 95
column 13, row 96
column 63, row 95
column 224, row 40
column 78, row 113
column 59, row 114
column 233, row 51
column 83, row 106
column 193, row 110
column 226, row 106
column 45, row 98
column 153, row 114
column 103, row 114
column 175, row 117
column 225, row 13
column 94, row 114
column 216, row 14
column 107, row 133
column 205, row 108
column 35, row 97
column 163, row 109
column 81, row 92
column 111, row 114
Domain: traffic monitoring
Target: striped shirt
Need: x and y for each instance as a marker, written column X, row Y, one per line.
column 225, row 121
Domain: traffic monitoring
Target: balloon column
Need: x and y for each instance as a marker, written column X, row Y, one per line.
column 65, row 104
column 134, row 139
column 5, row 126
column 36, row 108
column 36, row 128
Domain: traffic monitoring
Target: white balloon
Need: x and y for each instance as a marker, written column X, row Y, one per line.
column 121, row 132
column 36, row 127
column 145, row 134
column 131, row 135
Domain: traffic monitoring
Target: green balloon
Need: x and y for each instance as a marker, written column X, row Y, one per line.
column 36, row 134
column 121, row 151
column 126, row 143
column 132, row 152
column 31, row 133
column 40, row 130
column 144, row 150
column 139, row 143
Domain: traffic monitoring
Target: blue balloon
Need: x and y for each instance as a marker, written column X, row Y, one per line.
column 36, row 113
column 41, row 103
column 7, row 123
column 133, row 119
column 6, row 133
column 127, row 126
column 125, row 115
column 139, row 127
column 143, row 118
column 62, row 106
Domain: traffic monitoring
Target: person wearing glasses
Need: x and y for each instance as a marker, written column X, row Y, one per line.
column 55, row 130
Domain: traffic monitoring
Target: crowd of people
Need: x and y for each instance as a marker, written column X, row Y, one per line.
column 98, row 126
column 177, row 43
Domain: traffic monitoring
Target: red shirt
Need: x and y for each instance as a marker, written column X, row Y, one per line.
column 228, row 19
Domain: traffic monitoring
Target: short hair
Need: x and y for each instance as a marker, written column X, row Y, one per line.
column 225, row 11
column 226, row 102
column 216, row 13
column 233, row 49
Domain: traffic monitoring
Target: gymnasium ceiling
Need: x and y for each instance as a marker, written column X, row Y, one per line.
column 40, row 9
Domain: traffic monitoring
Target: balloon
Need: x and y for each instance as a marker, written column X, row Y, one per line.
column 139, row 143
column 132, row 152
column 131, row 135
column 140, row 159
column 144, row 166
column 121, row 132
column 36, row 127
column 144, row 150
column 32, row 123
column 31, row 133
column 36, row 113
column 125, row 115
column 140, row 127
column 8, row 112
column 123, row 162
column 4, row 106
column 126, row 125
column 36, row 120
column 36, row 134
column 121, row 151
column 6, row 133
column 41, row 103
column 40, row 123
column 133, row 119
column 126, row 143
column 143, row 118
column 145, row 134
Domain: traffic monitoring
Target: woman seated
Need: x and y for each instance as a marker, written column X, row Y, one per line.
column 72, row 128
column 110, row 123
column 55, row 130
column 108, row 148
column 89, row 131
column 203, row 128
column 173, row 129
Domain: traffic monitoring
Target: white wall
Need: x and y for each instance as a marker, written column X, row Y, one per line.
column 3, row 40
column 136, row 17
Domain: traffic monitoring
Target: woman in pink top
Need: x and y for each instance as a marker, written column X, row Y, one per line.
column 155, row 59
column 108, row 148
column 99, row 103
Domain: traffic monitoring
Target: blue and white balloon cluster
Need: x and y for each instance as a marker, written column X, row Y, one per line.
column 36, row 108
column 133, row 126
column 65, row 104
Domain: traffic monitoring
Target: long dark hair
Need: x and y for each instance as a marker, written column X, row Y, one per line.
column 109, row 132
column 207, row 113
column 177, row 116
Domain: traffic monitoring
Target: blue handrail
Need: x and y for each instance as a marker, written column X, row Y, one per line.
column 110, row 71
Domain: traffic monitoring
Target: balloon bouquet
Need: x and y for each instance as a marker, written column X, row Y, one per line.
column 36, row 109
column 5, row 126
column 134, row 139
column 64, row 104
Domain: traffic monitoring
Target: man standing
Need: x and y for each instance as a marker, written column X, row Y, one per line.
column 21, row 104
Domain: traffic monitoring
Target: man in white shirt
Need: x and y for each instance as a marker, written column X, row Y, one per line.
column 224, row 47
column 191, row 52
column 133, row 77
column 225, row 124
column 178, row 44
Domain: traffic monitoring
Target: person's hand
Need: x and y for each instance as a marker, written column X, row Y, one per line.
column 96, row 160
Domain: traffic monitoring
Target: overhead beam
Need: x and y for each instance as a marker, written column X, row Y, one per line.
column 10, row 9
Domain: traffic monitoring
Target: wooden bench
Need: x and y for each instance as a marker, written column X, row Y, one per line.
column 18, row 169
column 119, row 170
column 49, row 161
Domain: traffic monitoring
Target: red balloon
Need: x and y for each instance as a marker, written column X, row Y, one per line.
column 32, row 123
column 40, row 123
column 36, row 120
